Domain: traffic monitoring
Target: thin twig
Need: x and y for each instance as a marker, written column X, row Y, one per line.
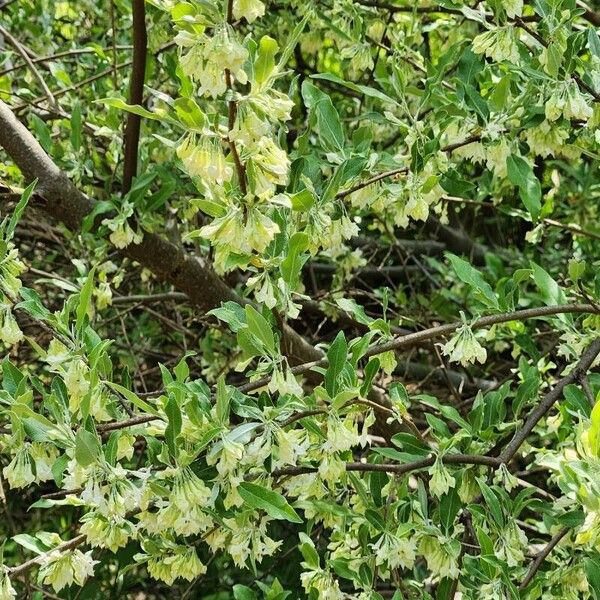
column 70, row 545
column 21, row 50
column 402, row 469
column 541, row 557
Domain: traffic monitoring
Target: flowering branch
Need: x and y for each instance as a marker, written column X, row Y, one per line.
column 70, row 545
column 232, row 113
column 441, row 330
column 403, row 170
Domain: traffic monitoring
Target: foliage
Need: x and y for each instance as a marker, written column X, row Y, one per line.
column 392, row 391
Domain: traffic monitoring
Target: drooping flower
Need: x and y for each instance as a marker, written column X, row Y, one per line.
column 567, row 100
column 189, row 491
column 177, row 562
column 208, row 58
column 511, row 545
column 395, row 551
column 7, row 591
column 10, row 333
column 44, row 455
column 61, row 569
column 464, row 348
column 19, row 472
column 498, row 44
column 323, row 583
column 111, row 533
column 249, row 539
column 441, row 479
column 11, row 267
column 76, row 382
column 205, row 160
column 441, row 556
column 248, row 9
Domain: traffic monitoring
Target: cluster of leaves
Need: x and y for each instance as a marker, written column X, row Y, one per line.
column 379, row 177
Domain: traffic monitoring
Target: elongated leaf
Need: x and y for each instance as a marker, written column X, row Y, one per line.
column 134, row 399
column 132, row 108
column 521, row 174
column 472, row 277
column 274, row 504
column 292, row 264
column 260, row 328
column 337, row 354
column 87, row 447
column 173, row 429
column 85, row 297
column 19, row 208
column 265, row 61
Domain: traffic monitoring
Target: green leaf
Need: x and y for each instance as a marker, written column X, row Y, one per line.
column 274, row 504
column 352, row 307
column 132, row 108
column 592, row 571
column 42, row 133
column 411, row 444
column 550, row 290
column 329, row 126
column 473, row 278
column 303, row 200
column 85, row 298
column 242, row 592
column 87, row 447
column 521, row 174
column 259, row 327
column 265, row 61
column 474, row 99
column 370, row 373
column 450, row 504
column 30, row 542
column 189, row 113
column 594, row 430
column 593, row 42
column 309, row 552
column 336, row 355
column 173, row 429
column 499, row 96
column 19, row 208
column 292, row 264
column 232, row 314
column 362, row 89
column 492, row 501
column 134, row 399
column 223, row 400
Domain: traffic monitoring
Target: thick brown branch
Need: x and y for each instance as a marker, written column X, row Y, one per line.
column 136, row 93
column 169, row 262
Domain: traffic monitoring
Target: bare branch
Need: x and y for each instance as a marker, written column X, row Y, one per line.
column 136, row 93
column 541, row 557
